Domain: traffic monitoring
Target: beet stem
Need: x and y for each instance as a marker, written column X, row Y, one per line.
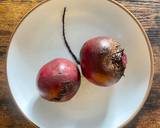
column 64, row 37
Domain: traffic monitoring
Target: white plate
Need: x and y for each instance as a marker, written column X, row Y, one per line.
column 38, row 39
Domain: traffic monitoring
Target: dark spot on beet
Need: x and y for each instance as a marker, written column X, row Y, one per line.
column 56, row 99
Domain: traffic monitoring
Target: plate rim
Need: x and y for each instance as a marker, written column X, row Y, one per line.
column 131, row 117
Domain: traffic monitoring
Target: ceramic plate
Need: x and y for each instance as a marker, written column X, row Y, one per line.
column 38, row 39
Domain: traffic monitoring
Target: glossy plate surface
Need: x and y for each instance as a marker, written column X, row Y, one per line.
column 38, row 39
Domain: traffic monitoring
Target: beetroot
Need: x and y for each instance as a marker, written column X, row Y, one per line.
column 58, row 80
column 102, row 61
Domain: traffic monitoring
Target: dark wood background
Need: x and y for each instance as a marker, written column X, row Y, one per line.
column 148, row 13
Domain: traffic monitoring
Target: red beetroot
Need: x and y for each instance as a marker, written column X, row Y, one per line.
column 102, row 61
column 58, row 80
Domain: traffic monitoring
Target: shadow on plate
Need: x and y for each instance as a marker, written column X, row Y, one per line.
column 87, row 109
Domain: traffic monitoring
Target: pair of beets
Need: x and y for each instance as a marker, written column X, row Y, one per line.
column 102, row 62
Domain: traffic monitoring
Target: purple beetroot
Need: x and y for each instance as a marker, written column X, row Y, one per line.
column 102, row 61
column 58, row 80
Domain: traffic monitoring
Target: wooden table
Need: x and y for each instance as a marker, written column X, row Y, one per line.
column 148, row 13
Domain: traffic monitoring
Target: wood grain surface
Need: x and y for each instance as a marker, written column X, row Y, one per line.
column 148, row 13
